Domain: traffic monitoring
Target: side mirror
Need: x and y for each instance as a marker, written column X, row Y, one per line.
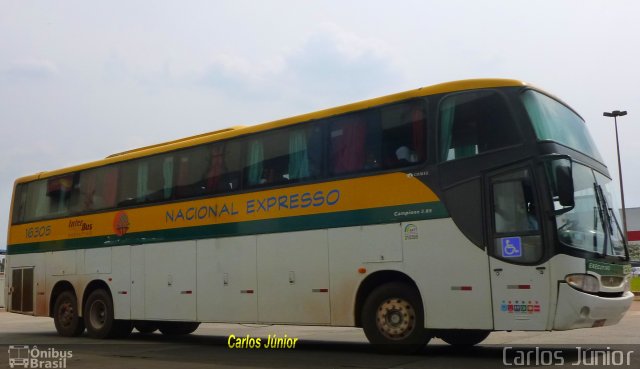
column 560, row 176
column 564, row 181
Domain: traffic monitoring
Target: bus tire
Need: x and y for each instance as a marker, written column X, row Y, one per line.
column 463, row 337
column 393, row 319
column 65, row 315
column 100, row 319
column 178, row 328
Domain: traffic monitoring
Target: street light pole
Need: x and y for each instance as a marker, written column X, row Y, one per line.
column 615, row 114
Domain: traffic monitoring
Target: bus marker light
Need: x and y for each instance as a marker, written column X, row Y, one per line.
column 599, row 323
column 320, row 290
column 189, row 292
column 519, row 287
column 362, row 270
column 110, row 279
column 246, row 291
column 461, row 288
column 122, row 292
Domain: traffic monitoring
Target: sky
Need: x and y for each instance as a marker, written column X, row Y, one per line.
column 82, row 80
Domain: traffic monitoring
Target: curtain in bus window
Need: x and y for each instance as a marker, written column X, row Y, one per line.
column 111, row 186
column 58, row 192
column 84, row 198
column 459, row 126
column 143, row 182
column 183, row 177
column 37, row 203
column 215, row 168
column 298, row 159
column 255, row 163
column 348, row 144
column 418, row 122
column 19, row 204
column 315, row 152
column 447, row 115
column 167, row 176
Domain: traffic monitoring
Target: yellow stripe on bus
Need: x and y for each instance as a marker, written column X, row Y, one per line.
column 351, row 194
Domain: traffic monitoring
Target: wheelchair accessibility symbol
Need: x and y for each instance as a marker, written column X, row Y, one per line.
column 511, row 247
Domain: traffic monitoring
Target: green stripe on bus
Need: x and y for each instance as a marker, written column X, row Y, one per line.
column 390, row 214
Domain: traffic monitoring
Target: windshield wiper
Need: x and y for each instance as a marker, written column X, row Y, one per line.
column 612, row 215
column 600, row 201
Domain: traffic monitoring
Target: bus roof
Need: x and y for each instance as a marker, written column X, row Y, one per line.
column 469, row 84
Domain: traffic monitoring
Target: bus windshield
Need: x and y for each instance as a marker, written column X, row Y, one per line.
column 555, row 122
column 592, row 224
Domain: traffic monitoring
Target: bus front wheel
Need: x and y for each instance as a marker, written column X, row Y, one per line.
column 100, row 319
column 65, row 315
column 393, row 319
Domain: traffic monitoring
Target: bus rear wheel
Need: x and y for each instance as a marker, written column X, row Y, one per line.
column 65, row 315
column 463, row 337
column 393, row 319
column 99, row 317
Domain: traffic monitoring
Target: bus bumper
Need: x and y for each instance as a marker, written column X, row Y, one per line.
column 581, row 310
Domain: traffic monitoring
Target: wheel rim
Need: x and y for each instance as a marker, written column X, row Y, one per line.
column 98, row 314
column 396, row 318
column 66, row 314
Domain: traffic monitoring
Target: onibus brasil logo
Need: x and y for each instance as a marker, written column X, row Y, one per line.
column 32, row 357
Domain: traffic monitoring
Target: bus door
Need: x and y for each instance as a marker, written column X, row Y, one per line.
column 520, row 279
column 21, row 290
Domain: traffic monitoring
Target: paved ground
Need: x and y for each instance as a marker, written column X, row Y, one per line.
column 319, row 347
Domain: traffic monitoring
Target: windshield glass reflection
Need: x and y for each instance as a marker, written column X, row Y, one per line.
column 592, row 224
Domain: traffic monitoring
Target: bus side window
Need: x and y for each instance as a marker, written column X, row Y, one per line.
column 348, row 138
column 403, row 134
column 513, row 206
column 515, row 216
column 36, row 203
column 305, row 152
column 298, row 155
column 155, row 179
column 223, row 170
column 191, row 168
column 127, row 184
column 19, row 203
column 474, row 122
column 59, row 194
column 267, row 161
column 95, row 190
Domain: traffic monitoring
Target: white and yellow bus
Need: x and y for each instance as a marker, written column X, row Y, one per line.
column 448, row 211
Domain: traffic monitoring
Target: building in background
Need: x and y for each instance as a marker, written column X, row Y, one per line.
column 633, row 229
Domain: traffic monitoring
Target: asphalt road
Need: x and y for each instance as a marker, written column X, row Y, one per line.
column 316, row 347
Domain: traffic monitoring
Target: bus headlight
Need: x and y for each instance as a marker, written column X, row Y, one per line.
column 583, row 282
